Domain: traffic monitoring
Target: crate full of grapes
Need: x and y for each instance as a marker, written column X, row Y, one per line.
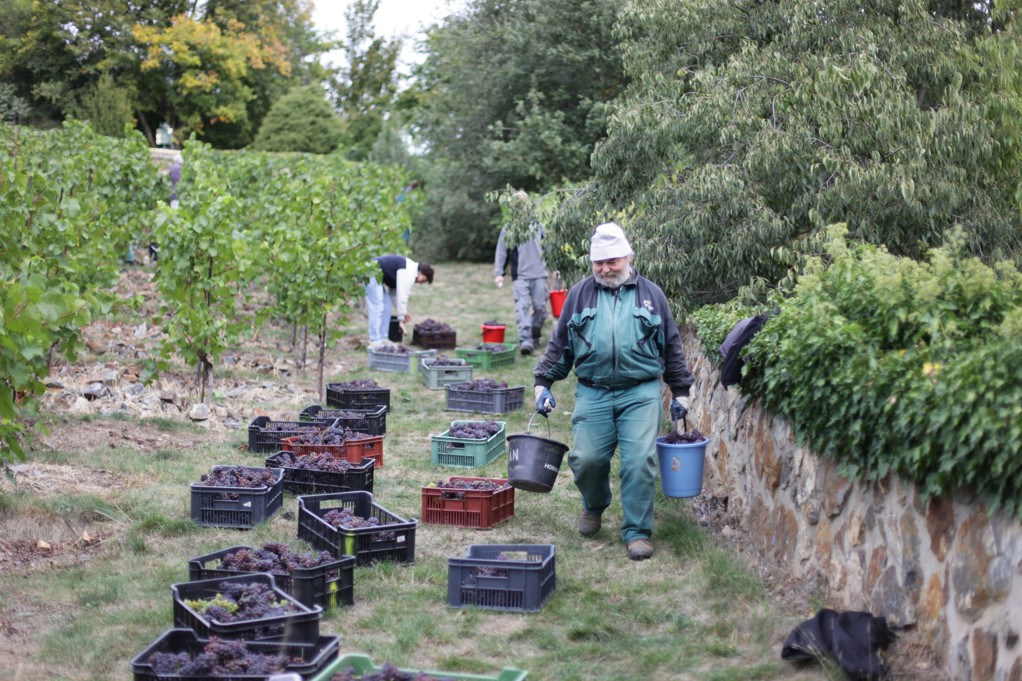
column 343, row 443
column 485, row 396
column 171, row 656
column 265, row 435
column 397, row 358
column 250, row 607
column 515, row 577
column 441, row 370
column 468, row 444
column 371, row 421
column 312, row 578
column 480, row 503
column 237, row 496
column 322, row 473
column 434, row 335
column 362, row 393
column 352, row 524
column 486, row 356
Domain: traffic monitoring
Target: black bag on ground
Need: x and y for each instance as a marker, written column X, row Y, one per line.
column 853, row 639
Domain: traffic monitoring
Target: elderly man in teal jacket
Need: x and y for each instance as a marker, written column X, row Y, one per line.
column 617, row 333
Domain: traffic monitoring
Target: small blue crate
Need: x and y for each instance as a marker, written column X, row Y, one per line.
column 466, row 453
column 516, row 577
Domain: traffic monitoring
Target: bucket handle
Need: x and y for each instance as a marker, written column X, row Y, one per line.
column 528, row 427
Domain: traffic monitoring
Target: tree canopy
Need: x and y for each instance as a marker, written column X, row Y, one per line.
column 301, row 120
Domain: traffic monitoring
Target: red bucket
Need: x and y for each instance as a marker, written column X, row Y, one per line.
column 557, row 301
column 493, row 334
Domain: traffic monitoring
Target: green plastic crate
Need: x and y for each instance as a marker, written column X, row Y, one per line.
column 363, row 664
column 436, row 377
column 495, row 355
column 464, row 453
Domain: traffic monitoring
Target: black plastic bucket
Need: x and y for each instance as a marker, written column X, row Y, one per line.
column 394, row 332
column 533, row 462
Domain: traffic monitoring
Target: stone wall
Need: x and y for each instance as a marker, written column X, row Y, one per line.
column 945, row 566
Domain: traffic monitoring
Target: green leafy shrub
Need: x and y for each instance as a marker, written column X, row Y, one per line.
column 895, row 366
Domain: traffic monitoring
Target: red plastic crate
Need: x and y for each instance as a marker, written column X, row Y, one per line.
column 476, row 508
column 352, row 451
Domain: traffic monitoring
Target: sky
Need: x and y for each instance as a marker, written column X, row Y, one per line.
column 394, row 18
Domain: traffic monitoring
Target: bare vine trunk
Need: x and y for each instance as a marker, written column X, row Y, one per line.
column 322, row 361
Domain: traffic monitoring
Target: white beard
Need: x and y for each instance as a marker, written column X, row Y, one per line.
column 613, row 281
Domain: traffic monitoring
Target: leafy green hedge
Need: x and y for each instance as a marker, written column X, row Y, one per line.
column 890, row 365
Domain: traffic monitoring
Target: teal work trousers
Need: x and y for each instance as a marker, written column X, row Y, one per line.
column 603, row 421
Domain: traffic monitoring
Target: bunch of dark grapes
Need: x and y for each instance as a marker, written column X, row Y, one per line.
column 219, row 658
column 288, row 427
column 340, row 414
column 430, row 326
column 675, row 438
column 242, row 601
column 492, row 322
column 357, row 384
column 474, row 430
column 491, row 347
column 443, row 361
column 275, row 558
column 485, row 571
column 345, row 518
column 481, row 385
column 395, row 349
column 237, row 476
column 387, row 672
column 484, row 485
column 321, row 461
column 334, row 435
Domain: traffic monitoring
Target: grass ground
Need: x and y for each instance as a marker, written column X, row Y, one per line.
column 116, row 492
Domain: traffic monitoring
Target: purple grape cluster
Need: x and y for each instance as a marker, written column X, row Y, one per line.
column 675, row 438
column 324, row 462
column 345, row 518
column 274, row 557
column 219, row 658
column 242, row 601
column 239, row 476
column 442, row 360
column 387, row 672
column 492, row 322
column 491, row 347
column 334, row 435
column 481, row 385
column 485, row 571
column 288, row 427
column 484, row 485
column 431, row 326
column 395, row 349
column 357, row 384
column 474, row 430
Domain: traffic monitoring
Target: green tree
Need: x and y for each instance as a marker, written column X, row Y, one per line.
column 107, row 106
column 366, row 86
column 750, row 126
column 510, row 97
column 302, row 120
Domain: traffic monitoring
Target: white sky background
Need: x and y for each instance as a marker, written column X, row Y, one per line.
column 394, row 18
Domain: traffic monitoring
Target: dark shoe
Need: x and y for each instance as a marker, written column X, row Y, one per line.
column 589, row 523
column 526, row 347
column 640, row 549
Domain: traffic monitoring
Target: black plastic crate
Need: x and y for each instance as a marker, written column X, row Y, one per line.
column 435, row 340
column 238, row 507
column 393, row 539
column 365, row 398
column 358, row 478
column 301, row 625
column 520, row 581
column 328, row 585
column 265, row 435
column 306, row 659
column 372, row 421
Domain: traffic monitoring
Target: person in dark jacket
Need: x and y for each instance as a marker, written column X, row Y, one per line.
column 390, row 291
column 528, row 281
column 617, row 333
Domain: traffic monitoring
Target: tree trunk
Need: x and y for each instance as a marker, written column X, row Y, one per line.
column 303, row 356
column 322, row 360
column 207, row 380
column 145, row 128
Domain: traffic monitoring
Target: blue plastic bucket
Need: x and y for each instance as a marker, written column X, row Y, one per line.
column 681, row 467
